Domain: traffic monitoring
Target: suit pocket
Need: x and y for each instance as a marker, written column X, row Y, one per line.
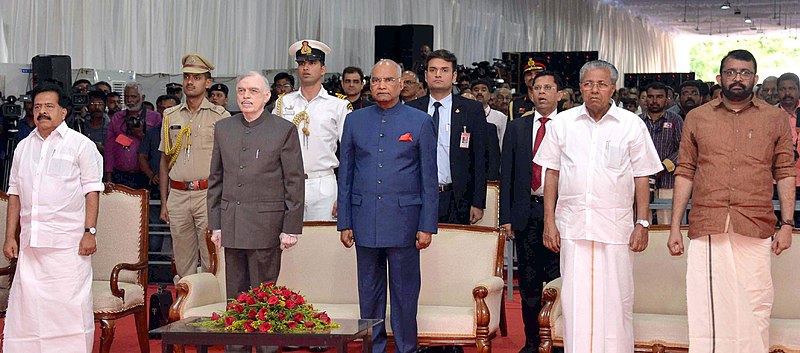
column 224, row 205
column 356, row 199
column 270, row 206
column 409, row 200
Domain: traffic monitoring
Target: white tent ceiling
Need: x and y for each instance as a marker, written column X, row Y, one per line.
column 704, row 17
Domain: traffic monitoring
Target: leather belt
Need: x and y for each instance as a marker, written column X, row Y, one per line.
column 537, row 199
column 315, row 175
column 189, row 185
column 445, row 187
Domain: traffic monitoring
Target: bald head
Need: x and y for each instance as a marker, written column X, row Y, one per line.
column 385, row 83
column 391, row 63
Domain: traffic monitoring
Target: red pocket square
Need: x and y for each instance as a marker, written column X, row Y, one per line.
column 405, row 138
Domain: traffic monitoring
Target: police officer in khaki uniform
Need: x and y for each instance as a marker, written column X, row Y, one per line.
column 524, row 104
column 186, row 143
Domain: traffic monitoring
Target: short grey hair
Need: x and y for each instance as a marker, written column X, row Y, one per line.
column 135, row 85
column 253, row 74
column 390, row 62
column 502, row 90
column 600, row 64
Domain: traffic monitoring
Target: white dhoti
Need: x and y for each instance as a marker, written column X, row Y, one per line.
column 321, row 193
column 729, row 294
column 50, row 304
column 597, row 297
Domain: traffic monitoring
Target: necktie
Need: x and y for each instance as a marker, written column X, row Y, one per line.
column 536, row 181
column 436, row 106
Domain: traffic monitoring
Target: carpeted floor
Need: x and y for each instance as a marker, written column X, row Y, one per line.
column 125, row 337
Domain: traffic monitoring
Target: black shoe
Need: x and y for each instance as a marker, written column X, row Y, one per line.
column 290, row 348
column 318, row 348
column 528, row 349
column 430, row 349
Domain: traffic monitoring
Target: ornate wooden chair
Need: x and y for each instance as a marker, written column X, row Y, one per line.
column 120, row 263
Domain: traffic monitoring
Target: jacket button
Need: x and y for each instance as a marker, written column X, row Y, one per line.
column 381, row 135
column 380, row 165
column 379, row 197
column 380, row 181
column 240, row 185
column 238, row 202
column 241, row 167
column 380, row 150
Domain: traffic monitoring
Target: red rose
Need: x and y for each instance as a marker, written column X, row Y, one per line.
column 238, row 308
column 298, row 317
column 248, row 326
column 270, row 284
column 272, row 300
column 286, row 292
column 291, row 324
column 281, row 316
column 229, row 321
column 262, row 295
column 262, row 314
column 265, row 327
column 290, row 304
column 214, row 316
column 300, row 300
column 231, row 305
column 324, row 318
column 251, row 314
column 242, row 298
column 310, row 324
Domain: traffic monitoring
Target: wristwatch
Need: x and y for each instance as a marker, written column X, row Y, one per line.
column 788, row 222
column 643, row 223
column 90, row 230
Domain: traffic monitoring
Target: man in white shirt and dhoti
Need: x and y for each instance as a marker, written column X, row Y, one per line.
column 53, row 196
column 598, row 159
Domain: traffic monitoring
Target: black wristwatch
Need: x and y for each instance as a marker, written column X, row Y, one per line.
column 90, row 230
column 789, row 222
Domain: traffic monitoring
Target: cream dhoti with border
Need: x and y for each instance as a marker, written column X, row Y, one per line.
column 597, row 297
column 729, row 293
column 50, row 303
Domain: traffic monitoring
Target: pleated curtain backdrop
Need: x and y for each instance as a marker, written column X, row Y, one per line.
column 151, row 36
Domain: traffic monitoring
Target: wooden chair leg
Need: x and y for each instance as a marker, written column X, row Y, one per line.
column 484, row 345
column 141, row 330
column 503, row 324
column 659, row 348
column 107, row 336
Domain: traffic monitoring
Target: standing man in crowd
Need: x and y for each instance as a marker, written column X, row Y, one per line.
column 256, row 186
column 524, row 104
column 522, row 202
column 689, row 98
column 54, row 189
column 186, row 141
column 768, row 91
column 598, row 158
column 113, row 103
column 501, row 99
column 461, row 146
column 665, row 130
column 319, row 118
column 352, row 84
column 410, row 86
column 392, row 146
column 218, row 94
column 175, row 89
column 166, row 101
column 97, row 126
column 731, row 151
column 482, row 92
column 125, row 133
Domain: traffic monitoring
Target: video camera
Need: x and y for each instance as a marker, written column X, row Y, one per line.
column 12, row 112
column 332, row 84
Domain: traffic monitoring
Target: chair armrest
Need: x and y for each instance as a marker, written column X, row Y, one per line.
column 551, row 308
column 9, row 271
column 194, row 291
column 488, row 290
column 114, row 282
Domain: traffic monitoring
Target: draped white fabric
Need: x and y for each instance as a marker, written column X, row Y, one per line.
column 150, row 36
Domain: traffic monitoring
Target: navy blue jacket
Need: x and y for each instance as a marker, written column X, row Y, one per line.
column 388, row 185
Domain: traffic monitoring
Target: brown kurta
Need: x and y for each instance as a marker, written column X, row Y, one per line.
column 733, row 158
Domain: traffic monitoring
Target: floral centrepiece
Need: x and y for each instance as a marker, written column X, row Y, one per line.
column 270, row 308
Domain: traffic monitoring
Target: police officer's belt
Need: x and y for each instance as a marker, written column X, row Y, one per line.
column 189, row 185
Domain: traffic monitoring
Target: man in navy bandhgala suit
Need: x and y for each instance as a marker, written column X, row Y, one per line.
column 388, row 203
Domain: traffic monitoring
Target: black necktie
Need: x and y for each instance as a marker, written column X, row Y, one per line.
column 436, row 106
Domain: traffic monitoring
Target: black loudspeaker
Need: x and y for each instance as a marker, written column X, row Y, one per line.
column 671, row 79
column 56, row 68
column 566, row 64
column 402, row 43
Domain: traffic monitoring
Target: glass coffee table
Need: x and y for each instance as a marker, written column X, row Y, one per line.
column 182, row 333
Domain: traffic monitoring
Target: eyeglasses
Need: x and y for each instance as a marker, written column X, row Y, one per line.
column 746, row 74
column 285, row 85
column 602, row 85
column 545, row 87
column 388, row 80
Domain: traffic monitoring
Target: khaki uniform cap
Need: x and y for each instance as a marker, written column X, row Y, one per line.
column 196, row 64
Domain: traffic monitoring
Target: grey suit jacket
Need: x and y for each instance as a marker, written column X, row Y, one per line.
column 256, row 187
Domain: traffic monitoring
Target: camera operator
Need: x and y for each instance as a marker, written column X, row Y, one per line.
column 125, row 132
column 96, row 126
column 26, row 124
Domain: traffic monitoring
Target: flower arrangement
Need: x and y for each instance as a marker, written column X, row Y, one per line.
column 270, row 308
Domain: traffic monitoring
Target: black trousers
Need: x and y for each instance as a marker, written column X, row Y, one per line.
column 536, row 265
column 248, row 268
column 451, row 210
